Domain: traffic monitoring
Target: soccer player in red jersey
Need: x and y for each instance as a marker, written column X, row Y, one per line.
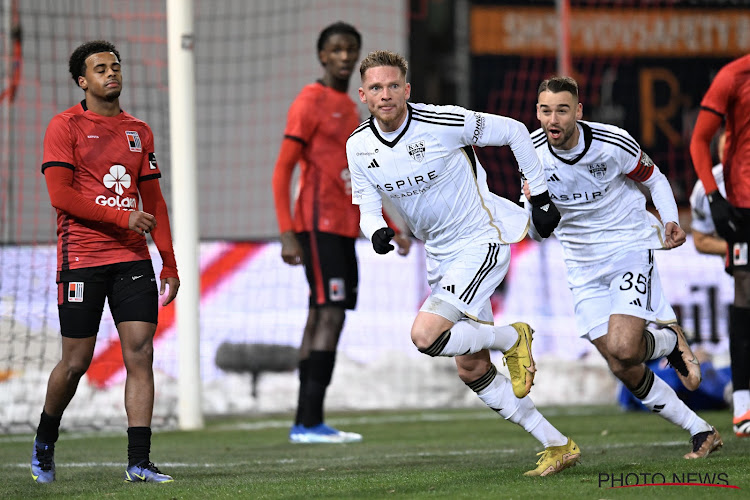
column 98, row 159
column 727, row 102
column 325, row 225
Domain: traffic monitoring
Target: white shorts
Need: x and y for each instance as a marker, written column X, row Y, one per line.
column 629, row 284
column 467, row 279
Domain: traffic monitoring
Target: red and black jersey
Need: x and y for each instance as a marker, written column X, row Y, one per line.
column 109, row 157
column 321, row 119
column 729, row 97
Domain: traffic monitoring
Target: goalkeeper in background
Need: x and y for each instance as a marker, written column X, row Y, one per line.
column 97, row 161
column 727, row 102
column 322, row 232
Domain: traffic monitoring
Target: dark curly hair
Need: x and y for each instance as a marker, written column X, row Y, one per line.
column 338, row 28
column 77, row 63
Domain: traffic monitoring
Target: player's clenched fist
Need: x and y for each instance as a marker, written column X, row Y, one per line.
column 544, row 214
column 381, row 240
column 141, row 222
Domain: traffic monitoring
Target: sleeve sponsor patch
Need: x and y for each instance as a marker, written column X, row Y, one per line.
column 152, row 165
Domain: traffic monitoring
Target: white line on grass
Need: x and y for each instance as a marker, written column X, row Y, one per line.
column 344, row 459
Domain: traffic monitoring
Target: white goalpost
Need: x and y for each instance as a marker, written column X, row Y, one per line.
column 182, row 134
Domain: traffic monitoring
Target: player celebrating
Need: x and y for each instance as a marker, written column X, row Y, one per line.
column 728, row 99
column 421, row 157
column 608, row 237
column 97, row 161
column 322, row 234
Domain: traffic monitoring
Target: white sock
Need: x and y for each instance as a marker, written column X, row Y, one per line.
column 497, row 392
column 468, row 337
column 505, row 337
column 663, row 400
column 741, row 402
column 664, row 339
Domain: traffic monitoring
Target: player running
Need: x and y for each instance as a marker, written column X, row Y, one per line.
column 421, row 157
column 608, row 239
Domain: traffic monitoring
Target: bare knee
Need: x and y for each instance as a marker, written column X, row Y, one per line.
column 75, row 367
column 617, row 366
column 328, row 326
column 626, row 353
column 423, row 338
column 331, row 319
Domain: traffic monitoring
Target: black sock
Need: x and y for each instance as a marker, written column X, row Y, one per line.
column 303, row 375
column 49, row 428
column 739, row 346
column 139, row 445
column 320, row 370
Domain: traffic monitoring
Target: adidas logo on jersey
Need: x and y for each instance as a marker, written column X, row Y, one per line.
column 450, row 288
column 374, row 164
column 636, row 302
column 553, row 178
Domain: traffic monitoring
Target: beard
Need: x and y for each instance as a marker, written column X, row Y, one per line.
column 112, row 96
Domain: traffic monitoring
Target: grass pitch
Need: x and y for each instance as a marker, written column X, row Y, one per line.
column 469, row 454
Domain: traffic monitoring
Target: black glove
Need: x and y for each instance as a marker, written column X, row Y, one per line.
column 724, row 215
column 381, row 239
column 544, row 214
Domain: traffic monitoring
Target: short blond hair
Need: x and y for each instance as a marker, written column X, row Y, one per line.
column 383, row 58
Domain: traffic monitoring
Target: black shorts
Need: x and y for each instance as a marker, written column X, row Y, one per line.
column 129, row 287
column 737, row 246
column 331, row 268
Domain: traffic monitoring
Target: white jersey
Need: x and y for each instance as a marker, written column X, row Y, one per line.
column 603, row 213
column 429, row 171
column 700, row 210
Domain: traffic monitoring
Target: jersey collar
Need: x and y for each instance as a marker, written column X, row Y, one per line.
column 587, row 138
column 392, row 143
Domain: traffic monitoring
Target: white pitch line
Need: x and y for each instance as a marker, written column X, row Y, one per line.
column 345, row 458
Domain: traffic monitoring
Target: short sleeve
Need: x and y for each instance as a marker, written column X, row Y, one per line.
column 717, row 96
column 302, row 119
column 58, row 144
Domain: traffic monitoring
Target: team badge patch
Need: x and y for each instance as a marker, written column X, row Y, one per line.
column 598, row 170
column 134, row 141
column 416, row 150
column 739, row 254
column 75, row 291
column 336, row 289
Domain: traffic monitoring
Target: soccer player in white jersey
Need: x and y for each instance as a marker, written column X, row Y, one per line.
column 421, row 157
column 608, row 238
column 705, row 238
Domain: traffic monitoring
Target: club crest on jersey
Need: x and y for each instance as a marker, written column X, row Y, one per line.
column 598, row 170
column 416, row 150
column 134, row 141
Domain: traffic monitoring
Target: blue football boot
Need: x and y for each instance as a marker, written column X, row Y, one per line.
column 43, row 462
